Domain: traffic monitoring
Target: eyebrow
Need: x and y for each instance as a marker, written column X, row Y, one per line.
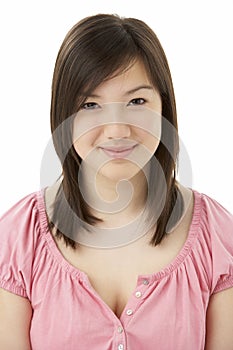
column 130, row 92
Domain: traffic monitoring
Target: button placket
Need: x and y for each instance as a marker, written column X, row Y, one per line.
column 145, row 282
column 138, row 294
column 142, row 287
column 129, row 312
column 136, row 300
column 120, row 340
column 119, row 329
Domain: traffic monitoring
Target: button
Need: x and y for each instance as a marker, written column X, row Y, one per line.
column 129, row 312
column 119, row 329
column 120, row 347
column 146, row 282
column 138, row 294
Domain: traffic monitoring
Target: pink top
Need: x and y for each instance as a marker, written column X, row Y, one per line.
column 168, row 313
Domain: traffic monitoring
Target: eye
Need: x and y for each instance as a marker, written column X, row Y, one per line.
column 137, row 102
column 90, row 105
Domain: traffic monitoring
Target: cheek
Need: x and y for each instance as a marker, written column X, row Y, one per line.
column 149, row 130
column 85, row 143
column 151, row 142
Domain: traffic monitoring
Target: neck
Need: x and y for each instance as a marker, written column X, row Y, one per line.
column 115, row 202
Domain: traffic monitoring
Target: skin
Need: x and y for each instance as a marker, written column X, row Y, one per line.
column 123, row 88
column 16, row 312
column 15, row 318
column 219, row 324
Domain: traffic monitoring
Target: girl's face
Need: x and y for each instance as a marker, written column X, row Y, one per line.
column 122, row 144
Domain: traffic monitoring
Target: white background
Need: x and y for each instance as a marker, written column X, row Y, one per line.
column 197, row 39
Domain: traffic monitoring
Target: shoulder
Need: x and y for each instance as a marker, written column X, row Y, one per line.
column 216, row 237
column 22, row 205
column 22, row 217
column 215, row 211
column 216, row 220
column 22, row 224
column 25, row 209
column 20, row 231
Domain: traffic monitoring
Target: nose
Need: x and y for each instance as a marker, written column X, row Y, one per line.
column 117, row 130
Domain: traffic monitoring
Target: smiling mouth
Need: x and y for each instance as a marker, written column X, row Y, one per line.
column 118, row 152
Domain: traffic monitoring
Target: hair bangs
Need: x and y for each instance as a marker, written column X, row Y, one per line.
column 106, row 59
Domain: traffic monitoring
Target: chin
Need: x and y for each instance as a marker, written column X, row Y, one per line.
column 117, row 170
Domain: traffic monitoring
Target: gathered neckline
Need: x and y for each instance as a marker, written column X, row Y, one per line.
column 77, row 273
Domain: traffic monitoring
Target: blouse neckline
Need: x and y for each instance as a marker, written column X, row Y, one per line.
column 75, row 272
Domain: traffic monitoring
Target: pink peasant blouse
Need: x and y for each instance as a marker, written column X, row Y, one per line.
column 167, row 309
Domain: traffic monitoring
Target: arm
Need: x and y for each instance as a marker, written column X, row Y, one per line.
column 219, row 326
column 15, row 318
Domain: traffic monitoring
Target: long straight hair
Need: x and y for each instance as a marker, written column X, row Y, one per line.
column 96, row 49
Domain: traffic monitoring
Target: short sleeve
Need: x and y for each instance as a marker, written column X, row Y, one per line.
column 17, row 236
column 219, row 223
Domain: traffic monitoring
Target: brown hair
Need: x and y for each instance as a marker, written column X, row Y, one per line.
column 94, row 50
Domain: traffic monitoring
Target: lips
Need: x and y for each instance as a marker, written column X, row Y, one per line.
column 119, row 151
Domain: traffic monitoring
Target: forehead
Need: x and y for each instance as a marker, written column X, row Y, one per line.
column 132, row 77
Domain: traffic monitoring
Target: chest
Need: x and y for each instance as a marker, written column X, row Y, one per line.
column 81, row 316
column 114, row 274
